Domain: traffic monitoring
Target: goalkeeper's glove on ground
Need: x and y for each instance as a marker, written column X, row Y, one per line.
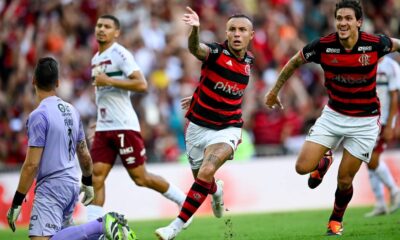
column 15, row 209
column 87, row 189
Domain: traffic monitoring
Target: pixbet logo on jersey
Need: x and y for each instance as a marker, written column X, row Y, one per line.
column 227, row 88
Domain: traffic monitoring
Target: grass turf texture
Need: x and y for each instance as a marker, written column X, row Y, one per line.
column 287, row 225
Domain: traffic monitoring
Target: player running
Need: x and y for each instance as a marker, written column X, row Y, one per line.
column 349, row 58
column 214, row 113
column 116, row 75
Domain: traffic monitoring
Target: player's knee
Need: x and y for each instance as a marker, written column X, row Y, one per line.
column 345, row 182
column 207, row 170
column 140, row 181
column 301, row 169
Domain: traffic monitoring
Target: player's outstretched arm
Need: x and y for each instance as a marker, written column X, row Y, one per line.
column 199, row 50
column 271, row 98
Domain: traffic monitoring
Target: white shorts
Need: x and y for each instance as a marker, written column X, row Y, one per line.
column 359, row 134
column 198, row 138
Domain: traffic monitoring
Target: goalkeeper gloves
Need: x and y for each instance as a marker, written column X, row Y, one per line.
column 15, row 210
column 87, row 189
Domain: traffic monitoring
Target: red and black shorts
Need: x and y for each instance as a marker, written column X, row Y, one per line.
column 128, row 144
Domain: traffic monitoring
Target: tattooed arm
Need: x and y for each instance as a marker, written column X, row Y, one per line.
column 85, row 160
column 199, row 50
column 271, row 98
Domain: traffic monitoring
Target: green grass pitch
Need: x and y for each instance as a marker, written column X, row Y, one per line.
column 285, row 225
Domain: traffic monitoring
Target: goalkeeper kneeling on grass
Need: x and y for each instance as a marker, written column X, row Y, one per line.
column 55, row 137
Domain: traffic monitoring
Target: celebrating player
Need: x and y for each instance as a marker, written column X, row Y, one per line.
column 349, row 58
column 214, row 113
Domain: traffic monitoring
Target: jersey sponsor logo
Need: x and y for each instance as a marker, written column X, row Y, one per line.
column 309, row 54
column 364, row 59
column 349, row 79
column 124, row 151
column 248, row 60
column 229, row 62
column 333, row 50
column 130, row 160
column 227, row 88
column 364, row 48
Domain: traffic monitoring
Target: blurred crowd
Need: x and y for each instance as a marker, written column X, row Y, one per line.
column 154, row 32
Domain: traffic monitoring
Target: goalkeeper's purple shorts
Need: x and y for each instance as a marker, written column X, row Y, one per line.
column 54, row 203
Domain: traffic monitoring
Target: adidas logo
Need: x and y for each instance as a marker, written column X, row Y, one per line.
column 229, row 63
column 365, row 155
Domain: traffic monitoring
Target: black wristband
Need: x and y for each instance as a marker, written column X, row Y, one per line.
column 18, row 199
column 87, row 180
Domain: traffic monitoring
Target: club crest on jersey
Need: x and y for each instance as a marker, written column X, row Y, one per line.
column 100, row 67
column 247, row 69
column 364, row 59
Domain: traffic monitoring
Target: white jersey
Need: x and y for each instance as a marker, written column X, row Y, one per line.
column 114, row 107
column 387, row 80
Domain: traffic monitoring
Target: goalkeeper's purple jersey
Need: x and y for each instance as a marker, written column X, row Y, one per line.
column 55, row 125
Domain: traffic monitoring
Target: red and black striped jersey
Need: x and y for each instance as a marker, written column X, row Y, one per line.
column 217, row 100
column 350, row 75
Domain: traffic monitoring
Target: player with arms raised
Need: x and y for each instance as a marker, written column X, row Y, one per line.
column 214, row 113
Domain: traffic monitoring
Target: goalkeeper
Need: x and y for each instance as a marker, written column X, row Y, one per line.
column 55, row 137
